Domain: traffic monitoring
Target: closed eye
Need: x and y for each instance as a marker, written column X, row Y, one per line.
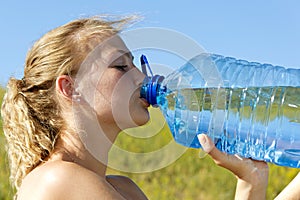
column 121, row 67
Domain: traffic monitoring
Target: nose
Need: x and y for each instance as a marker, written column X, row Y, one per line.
column 138, row 76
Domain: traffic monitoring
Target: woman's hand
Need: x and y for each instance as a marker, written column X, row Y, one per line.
column 252, row 175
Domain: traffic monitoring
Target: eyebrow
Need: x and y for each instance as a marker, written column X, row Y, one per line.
column 126, row 53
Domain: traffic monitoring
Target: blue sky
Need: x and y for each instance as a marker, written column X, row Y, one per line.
column 262, row 31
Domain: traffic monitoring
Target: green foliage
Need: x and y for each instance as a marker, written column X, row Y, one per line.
column 188, row 177
column 192, row 176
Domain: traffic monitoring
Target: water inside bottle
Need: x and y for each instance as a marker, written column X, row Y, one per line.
column 262, row 123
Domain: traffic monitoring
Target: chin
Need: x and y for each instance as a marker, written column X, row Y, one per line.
column 141, row 123
column 141, row 120
column 135, row 122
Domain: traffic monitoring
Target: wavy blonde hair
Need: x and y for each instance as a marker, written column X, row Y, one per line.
column 31, row 112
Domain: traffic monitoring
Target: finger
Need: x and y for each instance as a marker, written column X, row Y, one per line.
column 222, row 159
column 206, row 143
column 244, row 168
column 209, row 147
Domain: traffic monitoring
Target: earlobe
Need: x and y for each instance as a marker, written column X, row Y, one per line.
column 76, row 97
column 64, row 86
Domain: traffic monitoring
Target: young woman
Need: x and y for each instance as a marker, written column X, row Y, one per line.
column 80, row 89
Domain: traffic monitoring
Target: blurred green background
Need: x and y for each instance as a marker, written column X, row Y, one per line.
column 189, row 177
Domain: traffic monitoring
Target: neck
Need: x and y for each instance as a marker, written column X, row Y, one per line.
column 89, row 149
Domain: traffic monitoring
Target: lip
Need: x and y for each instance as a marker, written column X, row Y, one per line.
column 144, row 102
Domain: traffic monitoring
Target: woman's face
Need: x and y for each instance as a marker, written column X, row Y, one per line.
column 117, row 95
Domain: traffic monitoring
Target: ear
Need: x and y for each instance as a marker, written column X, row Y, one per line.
column 64, row 86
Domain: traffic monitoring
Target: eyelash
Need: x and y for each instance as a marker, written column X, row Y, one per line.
column 121, row 67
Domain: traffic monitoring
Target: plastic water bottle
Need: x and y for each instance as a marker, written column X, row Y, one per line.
column 247, row 108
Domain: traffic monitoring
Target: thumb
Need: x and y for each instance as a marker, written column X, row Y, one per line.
column 206, row 143
column 233, row 163
column 219, row 157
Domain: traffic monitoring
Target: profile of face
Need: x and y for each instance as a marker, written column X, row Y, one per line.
column 110, row 83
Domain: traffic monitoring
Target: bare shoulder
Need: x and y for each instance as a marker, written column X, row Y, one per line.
column 65, row 180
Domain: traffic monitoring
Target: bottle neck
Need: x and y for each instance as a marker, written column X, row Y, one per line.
column 151, row 88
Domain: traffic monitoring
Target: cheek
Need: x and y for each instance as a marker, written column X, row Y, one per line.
column 125, row 103
column 122, row 91
column 112, row 96
column 121, row 102
column 103, row 97
column 107, row 85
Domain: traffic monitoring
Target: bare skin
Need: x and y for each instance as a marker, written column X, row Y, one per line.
column 291, row 191
column 76, row 169
column 68, row 177
column 64, row 179
column 252, row 175
column 72, row 171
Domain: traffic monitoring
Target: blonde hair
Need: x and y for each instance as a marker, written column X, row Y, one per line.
column 31, row 111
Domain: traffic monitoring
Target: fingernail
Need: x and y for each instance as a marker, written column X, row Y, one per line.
column 204, row 142
column 202, row 139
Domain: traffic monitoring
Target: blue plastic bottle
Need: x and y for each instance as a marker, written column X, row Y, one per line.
column 247, row 108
